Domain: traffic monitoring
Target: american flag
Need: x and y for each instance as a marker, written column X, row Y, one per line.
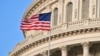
column 37, row 22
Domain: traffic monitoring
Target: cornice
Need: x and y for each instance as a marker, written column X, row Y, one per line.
column 55, row 37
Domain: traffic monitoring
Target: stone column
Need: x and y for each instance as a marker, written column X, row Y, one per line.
column 85, row 48
column 44, row 54
column 64, row 51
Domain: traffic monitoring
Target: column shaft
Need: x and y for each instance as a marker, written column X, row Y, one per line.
column 64, row 51
column 85, row 49
column 44, row 54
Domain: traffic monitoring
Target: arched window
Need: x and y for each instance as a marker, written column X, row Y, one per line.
column 69, row 11
column 85, row 9
column 55, row 18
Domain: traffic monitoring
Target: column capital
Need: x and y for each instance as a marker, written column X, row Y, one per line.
column 64, row 50
column 85, row 43
column 44, row 52
column 85, row 48
column 63, row 47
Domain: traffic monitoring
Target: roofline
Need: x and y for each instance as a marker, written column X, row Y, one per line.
column 29, row 7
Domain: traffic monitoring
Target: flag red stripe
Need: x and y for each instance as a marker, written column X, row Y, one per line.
column 34, row 24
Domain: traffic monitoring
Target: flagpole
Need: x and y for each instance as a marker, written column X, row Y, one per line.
column 49, row 39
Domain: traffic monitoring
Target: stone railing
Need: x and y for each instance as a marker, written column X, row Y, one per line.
column 76, row 23
column 84, row 23
column 95, row 21
column 58, row 29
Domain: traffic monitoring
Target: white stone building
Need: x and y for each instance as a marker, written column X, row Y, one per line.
column 75, row 29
